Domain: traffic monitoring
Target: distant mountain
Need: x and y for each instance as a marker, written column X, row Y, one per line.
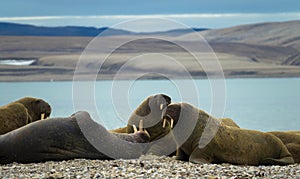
column 12, row 29
column 272, row 42
column 286, row 34
column 175, row 32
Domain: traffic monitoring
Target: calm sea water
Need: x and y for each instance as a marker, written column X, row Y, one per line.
column 260, row 104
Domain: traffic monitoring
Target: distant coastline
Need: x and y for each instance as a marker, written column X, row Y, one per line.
column 13, row 79
column 265, row 50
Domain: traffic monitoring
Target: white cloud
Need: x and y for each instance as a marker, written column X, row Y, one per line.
column 193, row 20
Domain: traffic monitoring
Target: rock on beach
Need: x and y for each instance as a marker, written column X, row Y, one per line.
column 145, row 167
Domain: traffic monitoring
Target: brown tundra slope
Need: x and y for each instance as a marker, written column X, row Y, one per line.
column 254, row 50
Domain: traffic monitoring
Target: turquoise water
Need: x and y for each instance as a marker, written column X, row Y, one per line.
column 260, row 104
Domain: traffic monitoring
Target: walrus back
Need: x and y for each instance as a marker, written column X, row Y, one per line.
column 49, row 139
column 13, row 116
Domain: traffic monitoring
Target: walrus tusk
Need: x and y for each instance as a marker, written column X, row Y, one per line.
column 134, row 128
column 42, row 116
column 161, row 106
column 141, row 125
column 172, row 122
column 164, row 123
column 147, row 132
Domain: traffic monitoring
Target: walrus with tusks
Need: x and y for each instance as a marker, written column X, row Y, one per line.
column 22, row 112
column 150, row 112
column 228, row 145
column 59, row 139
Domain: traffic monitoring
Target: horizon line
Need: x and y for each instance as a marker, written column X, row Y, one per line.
column 146, row 16
column 200, row 20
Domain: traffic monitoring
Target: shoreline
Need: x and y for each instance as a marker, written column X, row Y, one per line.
column 145, row 167
column 146, row 79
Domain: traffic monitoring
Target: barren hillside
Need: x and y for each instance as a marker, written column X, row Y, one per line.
column 257, row 50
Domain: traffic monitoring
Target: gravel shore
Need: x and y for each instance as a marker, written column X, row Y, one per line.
column 145, row 167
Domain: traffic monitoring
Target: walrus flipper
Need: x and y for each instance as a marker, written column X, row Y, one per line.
column 199, row 156
column 285, row 157
column 282, row 161
column 181, row 155
column 294, row 149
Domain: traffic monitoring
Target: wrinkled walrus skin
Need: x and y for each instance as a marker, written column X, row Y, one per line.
column 291, row 140
column 22, row 112
column 229, row 144
column 59, row 139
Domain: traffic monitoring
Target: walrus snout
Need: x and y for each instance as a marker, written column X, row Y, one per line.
column 169, row 119
column 142, row 134
column 141, row 128
column 45, row 115
column 47, row 111
column 171, row 115
column 142, row 137
column 45, row 108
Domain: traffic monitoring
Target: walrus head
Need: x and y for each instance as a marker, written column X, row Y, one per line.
column 188, row 121
column 150, row 112
column 185, row 114
column 171, row 115
column 37, row 108
column 181, row 118
column 43, row 108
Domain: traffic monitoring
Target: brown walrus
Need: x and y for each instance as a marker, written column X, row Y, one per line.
column 229, row 122
column 227, row 145
column 291, row 140
column 63, row 139
column 150, row 112
column 22, row 112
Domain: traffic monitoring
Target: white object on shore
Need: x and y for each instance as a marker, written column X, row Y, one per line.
column 17, row 62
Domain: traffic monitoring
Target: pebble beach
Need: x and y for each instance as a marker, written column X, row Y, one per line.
column 145, row 167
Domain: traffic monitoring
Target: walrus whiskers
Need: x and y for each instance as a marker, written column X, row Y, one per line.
column 42, row 116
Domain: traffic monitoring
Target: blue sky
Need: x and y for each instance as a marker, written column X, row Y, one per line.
column 195, row 13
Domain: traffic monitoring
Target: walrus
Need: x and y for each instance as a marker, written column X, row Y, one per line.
column 291, row 140
column 150, row 112
column 229, row 122
column 59, row 139
column 22, row 112
column 228, row 145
